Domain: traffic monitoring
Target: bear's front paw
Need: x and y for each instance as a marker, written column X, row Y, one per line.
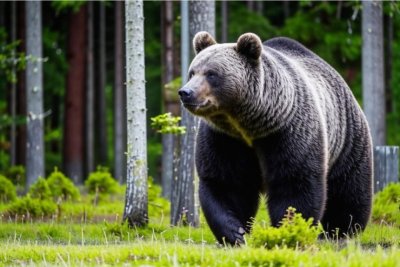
column 234, row 236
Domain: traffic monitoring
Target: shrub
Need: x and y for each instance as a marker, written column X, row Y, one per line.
column 32, row 208
column 61, row 186
column 40, row 190
column 293, row 232
column 16, row 174
column 7, row 190
column 386, row 204
column 102, row 182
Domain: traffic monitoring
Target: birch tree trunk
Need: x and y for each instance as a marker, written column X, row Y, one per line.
column 34, row 93
column 89, row 113
column 185, row 205
column 136, row 192
column 119, row 106
column 168, row 75
column 373, row 78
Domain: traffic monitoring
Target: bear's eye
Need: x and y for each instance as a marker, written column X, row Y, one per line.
column 191, row 74
column 211, row 75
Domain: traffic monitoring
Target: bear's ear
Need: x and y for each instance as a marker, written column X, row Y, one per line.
column 201, row 41
column 249, row 45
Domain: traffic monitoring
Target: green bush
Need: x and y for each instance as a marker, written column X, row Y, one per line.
column 32, row 208
column 102, row 182
column 293, row 232
column 61, row 186
column 16, row 174
column 386, row 205
column 40, row 190
column 7, row 190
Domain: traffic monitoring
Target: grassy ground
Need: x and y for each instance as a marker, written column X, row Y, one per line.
column 88, row 235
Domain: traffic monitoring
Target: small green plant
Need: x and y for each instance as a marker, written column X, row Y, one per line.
column 31, row 208
column 294, row 231
column 167, row 124
column 101, row 182
column 7, row 190
column 61, row 186
column 16, row 174
column 40, row 190
column 386, row 205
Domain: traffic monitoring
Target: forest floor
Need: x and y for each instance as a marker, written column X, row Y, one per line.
column 92, row 235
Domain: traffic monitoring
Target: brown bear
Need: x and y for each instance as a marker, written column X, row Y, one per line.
column 276, row 120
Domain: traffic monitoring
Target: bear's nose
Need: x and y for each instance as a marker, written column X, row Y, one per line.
column 185, row 94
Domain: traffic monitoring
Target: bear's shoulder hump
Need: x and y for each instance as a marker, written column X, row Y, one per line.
column 290, row 46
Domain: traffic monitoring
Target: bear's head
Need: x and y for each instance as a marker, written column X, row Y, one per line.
column 222, row 76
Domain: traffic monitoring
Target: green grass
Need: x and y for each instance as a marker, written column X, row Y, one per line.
column 85, row 234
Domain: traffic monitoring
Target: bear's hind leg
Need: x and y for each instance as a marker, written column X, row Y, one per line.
column 349, row 192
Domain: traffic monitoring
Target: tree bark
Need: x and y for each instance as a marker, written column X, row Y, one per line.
column 102, row 112
column 119, row 106
column 74, row 109
column 21, row 88
column 90, row 99
column 185, row 206
column 224, row 21
column 373, row 78
column 136, row 192
column 168, row 75
column 13, row 130
column 388, row 62
column 34, row 93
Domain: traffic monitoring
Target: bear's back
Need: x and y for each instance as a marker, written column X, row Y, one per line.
column 289, row 46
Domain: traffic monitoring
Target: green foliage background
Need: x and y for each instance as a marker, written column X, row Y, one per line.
column 316, row 24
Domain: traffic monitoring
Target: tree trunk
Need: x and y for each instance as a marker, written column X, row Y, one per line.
column 168, row 75
column 119, row 106
column 388, row 61
column 89, row 112
column 286, row 8
column 34, row 93
column 373, row 78
column 185, row 205
column 74, row 106
column 224, row 21
column 102, row 112
column 13, row 131
column 260, row 7
column 21, row 88
column 136, row 192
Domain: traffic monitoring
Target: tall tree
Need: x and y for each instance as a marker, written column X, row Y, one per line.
column 224, row 21
column 21, row 87
column 74, row 108
column 373, row 78
column 119, row 106
column 34, row 93
column 13, row 132
column 136, row 192
column 168, row 75
column 102, row 127
column 89, row 112
column 184, row 205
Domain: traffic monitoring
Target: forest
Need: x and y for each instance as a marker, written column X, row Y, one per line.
column 97, row 152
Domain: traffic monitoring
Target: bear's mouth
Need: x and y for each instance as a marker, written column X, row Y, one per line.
column 196, row 107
